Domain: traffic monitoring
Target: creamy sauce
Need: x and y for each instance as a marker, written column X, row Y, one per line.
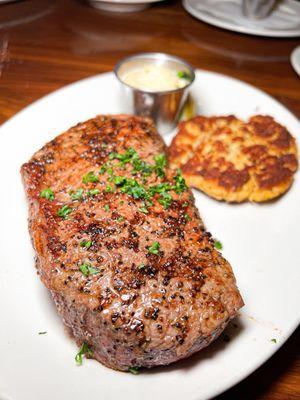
column 155, row 78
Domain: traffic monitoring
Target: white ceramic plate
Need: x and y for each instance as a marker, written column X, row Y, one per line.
column 260, row 241
column 7, row 1
column 122, row 5
column 295, row 59
column 284, row 21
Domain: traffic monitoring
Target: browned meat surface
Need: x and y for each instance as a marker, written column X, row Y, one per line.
column 121, row 246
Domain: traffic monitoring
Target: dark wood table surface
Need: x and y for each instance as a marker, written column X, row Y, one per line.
column 46, row 44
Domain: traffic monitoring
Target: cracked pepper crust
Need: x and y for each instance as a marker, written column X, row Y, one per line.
column 140, row 308
column 232, row 160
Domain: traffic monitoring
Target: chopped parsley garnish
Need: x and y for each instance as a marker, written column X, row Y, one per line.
column 87, row 269
column 134, row 370
column 90, row 177
column 78, row 195
column 47, row 194
column 180, row 185
column 106, row 207
column 165, row 199
column 124, row 158
column 85, row 243
column 160, row 164
column 137, row 188
column 103, row 169
column 42, row 333
column 184, row 75
column 141, row 166
column 133, row 188
column 103, row 145
column 218, row 245
column 274, row 340
column 163, row 189
column 119, row 180
column 160, row 188
column 144, row 210
column 64, row 211
column 120, row 219
column 93, row 192
column 141, row 266
column 187, row 217
column 86, row 350
column 154, row 248
column 110, row 171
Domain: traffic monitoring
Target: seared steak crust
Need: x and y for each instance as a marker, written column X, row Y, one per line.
column 136, row 278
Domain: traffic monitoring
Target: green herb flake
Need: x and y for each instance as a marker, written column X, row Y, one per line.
column 141, row 166
column 108, row 189
column 64, row 211
column 133, row 188
column 103, row 169
column 90, row 177
column 218, row 245
column 77, row 195
column 124, row 158
column 86, row 350
column 85, row 243
column 165, row 199
column 47, row 194
column 184, row 75
column 106, row 207
column 180, row 185
column 120, row 219
column 274, row 340
column 119, row 180
column 187, row 217
column 103, row 145
column 112, row 156
column 42, row 333
column 93, row 192
column 110, row 171
column 154, row 248
column 141, row 266
column 134, row 370
column 87, row 269
column 144, row 210
column 160, row 164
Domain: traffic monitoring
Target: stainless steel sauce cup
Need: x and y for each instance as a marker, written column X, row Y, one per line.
column 163, row 106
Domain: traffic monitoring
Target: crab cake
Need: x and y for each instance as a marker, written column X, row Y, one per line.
column 232, row 160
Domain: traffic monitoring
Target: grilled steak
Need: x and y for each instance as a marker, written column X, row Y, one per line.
column 121, row 246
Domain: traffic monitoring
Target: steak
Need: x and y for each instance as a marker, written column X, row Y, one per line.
column 121, row 247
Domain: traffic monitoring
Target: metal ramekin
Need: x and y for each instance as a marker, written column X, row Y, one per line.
column 165, row 106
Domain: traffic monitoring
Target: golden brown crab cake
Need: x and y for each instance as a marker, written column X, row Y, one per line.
column 232, row 160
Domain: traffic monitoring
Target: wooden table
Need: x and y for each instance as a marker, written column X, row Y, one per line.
column 46, row 44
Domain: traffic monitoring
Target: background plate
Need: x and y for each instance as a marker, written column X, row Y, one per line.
column 284, row 21
column 260, row 241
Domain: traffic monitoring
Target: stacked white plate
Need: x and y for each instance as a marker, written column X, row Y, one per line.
column 283, row 21
column 122, row 5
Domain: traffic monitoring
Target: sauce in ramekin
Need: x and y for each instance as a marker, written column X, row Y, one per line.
column 156, row 78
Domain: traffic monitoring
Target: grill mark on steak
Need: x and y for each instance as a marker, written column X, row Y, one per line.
column 136, row 308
